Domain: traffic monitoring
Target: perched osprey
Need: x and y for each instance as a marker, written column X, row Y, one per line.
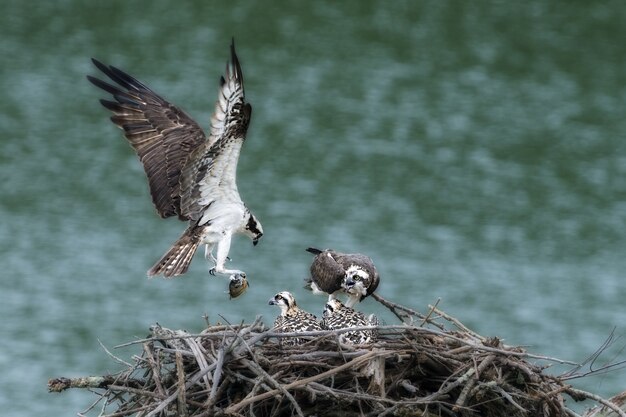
column 338, row 316
column 191, row 175
column 333, row 272
column 292, row 318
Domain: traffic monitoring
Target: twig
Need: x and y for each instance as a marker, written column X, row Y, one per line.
column 200, row 359
column 460, row 402
column 217, row 375
column 430, row 312
column 61, row 384
column 182, row 393
column 571, row 413
column 128, row 412
column 123, row 362
column 457, row 323
column 353, row 363
column 508, row 397
column 397, row 307
column 580, row 393
column 261, row 372
column 147, row 348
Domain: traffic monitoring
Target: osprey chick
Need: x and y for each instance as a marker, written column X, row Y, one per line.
column 338, row 316
column 292, row 319
column 333, row 272
column 191, row 175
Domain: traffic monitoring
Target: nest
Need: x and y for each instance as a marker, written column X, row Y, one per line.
column 419, row 368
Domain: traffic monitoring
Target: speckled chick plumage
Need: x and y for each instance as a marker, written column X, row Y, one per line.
column 292, row 318
column 338, row 316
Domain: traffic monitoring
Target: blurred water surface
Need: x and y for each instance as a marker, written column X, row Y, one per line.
column 475, row 151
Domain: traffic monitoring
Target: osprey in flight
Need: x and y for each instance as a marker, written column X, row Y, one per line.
column 191, row 175
column 334, row 272
column 292, row 318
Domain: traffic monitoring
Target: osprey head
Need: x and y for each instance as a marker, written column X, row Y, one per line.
column 332, row 306
column 253, row 228
column 357, row 281
column 284, row 300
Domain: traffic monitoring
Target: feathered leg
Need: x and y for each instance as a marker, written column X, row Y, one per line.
column 223, row 247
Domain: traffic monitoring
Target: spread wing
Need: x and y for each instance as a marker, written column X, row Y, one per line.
column 162, row 135
column 211, row 170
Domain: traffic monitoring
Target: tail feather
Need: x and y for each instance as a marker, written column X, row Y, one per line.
column 314, row 251
column 177, row 260
column 308, row 282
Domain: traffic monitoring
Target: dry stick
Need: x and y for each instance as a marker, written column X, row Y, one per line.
column 173, row 396
column 174, row 350
column 182, row 392
column 134, row 391
column 457, row 323
column 353, row 363
column 92, row 406
column 219, row 364
column 460, row 402
column 336, row 393
column 261, row 372
column 312, row 356
column 156, row 375
column 123, row 362
column 444, row 390
column 217, row 375
column 200, row 359
column 472, row 343
column 571, row 413
column 432, row 309
column 606, row 403
column 252, row 365
column 127, row 412
column 268, row 334
column 215, row 335
column 61, row 384
column 393, row 307
column 506, row 395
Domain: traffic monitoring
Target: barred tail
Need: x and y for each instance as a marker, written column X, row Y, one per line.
column 176, row 261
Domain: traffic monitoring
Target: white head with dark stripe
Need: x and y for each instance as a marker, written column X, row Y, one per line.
column 332, row 306
column 357, row 281
column 285, row 301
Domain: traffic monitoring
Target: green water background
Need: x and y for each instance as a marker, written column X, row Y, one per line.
column 475, row 150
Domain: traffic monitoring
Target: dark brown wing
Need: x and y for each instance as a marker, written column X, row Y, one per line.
column 326, row 273
column 162, row 135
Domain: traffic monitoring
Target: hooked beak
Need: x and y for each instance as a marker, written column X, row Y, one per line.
column 350, row 283
column 271, row 302
column 255, row 242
